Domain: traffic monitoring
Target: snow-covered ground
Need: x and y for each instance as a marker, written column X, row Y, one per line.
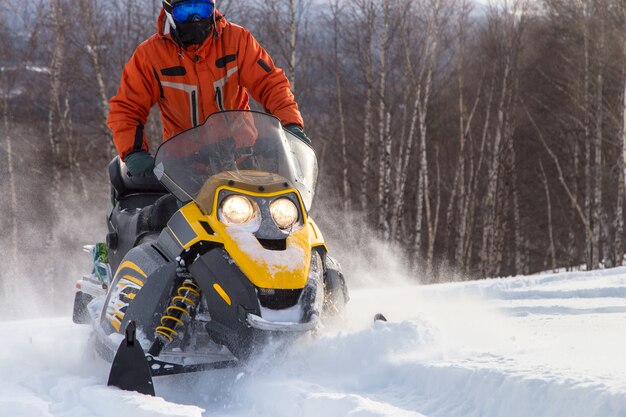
column 545, row 345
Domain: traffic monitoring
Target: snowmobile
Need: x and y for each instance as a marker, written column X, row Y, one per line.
column 213, row 256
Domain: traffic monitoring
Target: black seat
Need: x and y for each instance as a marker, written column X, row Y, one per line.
column 124, row 184
column 141, row 208
column 154, row 218
column 148, row 195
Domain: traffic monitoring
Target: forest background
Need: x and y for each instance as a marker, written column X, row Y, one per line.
column 472, row 140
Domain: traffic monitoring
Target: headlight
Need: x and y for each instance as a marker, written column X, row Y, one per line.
column 284, row 212
column 236, row 209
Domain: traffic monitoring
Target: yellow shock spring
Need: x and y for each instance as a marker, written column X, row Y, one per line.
column 188, row 296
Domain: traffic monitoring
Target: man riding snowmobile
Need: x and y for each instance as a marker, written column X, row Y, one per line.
column 197, row 64
column 216, row 252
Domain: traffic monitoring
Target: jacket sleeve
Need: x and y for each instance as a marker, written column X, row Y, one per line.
column 130, row 107
column 266, row 83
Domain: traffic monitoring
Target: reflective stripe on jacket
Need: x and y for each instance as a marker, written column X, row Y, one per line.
column 189, row 85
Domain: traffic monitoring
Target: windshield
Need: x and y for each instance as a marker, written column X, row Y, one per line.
column 242, row 144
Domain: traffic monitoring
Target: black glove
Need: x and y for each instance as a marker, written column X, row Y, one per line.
column 140, row 164
column 297, row 130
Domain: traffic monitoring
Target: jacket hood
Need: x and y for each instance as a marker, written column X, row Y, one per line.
column 164, row 27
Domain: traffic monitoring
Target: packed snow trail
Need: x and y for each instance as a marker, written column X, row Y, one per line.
column 545, row 345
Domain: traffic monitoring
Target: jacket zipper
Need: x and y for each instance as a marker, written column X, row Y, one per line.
column 194, row 108
column 218, row 97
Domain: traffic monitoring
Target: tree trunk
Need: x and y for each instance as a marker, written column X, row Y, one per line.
column 92, row 51
column 422, row 84
column 584, row 219
column 454, row 223
column 293, row 43
column 621, row 169
column 432, row 219
column 489, row 220
column 422, row 175
column 384, row 161
column 597, row 168
column 517, row 218
column 407, row 151
column 552, row 250
column 514, row 189
column 406, row 142
column 56, row 124
column 589, row 249
column 346, row 193
column 13, row 258
column 367, row 128
column 424, row 102
column 54, row 110
column 502, row 208
column 621, row 180
column 464, row 248
column 572, row 247
column 55, row 120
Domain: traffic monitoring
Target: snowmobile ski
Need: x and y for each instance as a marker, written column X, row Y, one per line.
column 130, row 369
column 160, row 368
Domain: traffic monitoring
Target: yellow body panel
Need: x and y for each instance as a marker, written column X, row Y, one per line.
column 264, row 268
column 194, row 215
column 116, row 325
column 316, row 237
column 127, row 288
column 131, row 265
column 133, row 279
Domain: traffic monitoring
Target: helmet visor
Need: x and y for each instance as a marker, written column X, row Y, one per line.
column 190, row 10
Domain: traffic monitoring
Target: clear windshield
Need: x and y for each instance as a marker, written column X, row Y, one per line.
column 240, row 143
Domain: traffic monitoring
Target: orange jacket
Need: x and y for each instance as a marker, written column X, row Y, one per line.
column 189, row 85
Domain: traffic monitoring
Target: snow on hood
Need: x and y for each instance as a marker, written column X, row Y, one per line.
column 291, row 259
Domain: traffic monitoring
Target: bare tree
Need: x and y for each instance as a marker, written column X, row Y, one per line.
column 457, row 222
column 14, row 66
column 416, row 98
column 93, row 48
column 6, row 85
column 384, row 139
column 56, row 122
column 505, row 26
column 561, row 177
column 346, row 193
column 364, row 13
column 621, row 164
column 414, row 81
column 281, row 23
column 596, row 217
column 464, row 249
column 552, row 251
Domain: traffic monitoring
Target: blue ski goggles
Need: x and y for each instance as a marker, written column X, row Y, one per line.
column 190, row 10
